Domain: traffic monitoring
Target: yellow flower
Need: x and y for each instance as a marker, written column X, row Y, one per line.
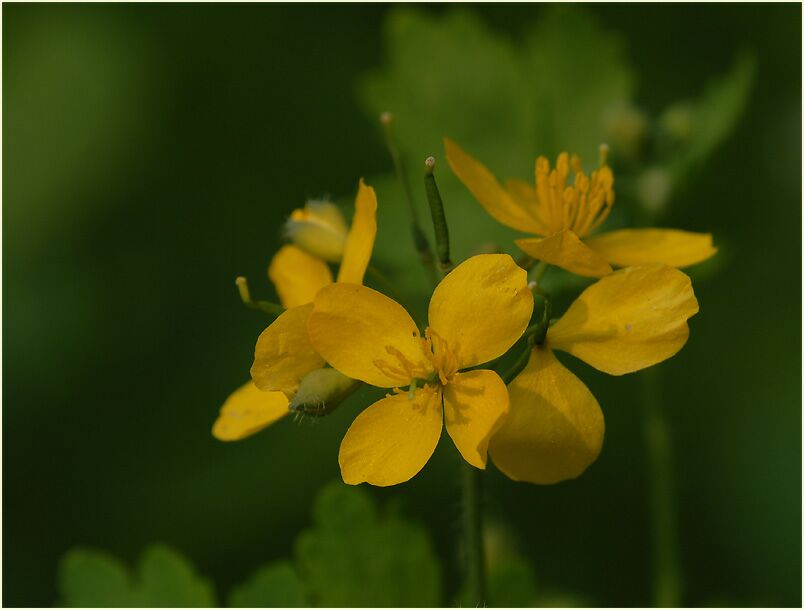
column 564, row 216
column 476, row 314
column 283, row 356
column 627, row 321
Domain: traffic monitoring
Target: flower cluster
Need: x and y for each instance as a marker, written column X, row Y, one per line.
column 538, row 422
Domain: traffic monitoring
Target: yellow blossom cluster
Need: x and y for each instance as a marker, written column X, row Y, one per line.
column 544, row 425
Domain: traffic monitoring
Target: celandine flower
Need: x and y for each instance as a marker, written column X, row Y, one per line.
column 627, row 321
column 476, row 314
column 283, row 356
column 564, row 216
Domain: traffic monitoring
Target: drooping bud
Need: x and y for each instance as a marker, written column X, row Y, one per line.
column 320, row 229
column 321, row 391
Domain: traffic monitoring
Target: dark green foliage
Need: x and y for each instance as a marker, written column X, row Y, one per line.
column 94, row 579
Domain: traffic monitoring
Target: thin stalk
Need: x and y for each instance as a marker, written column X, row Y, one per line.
column 420, row 241
column 520, row 363
column 387, row 285
column 473, row 535
column 540, row 270
column 667, row 579
column 272, row 309
column 439, row 218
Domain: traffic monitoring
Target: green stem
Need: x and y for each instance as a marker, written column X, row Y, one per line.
column 521, row 362
column 667, row 580
column 473, row 535
column 439, row 218
column 420, row 240
column 387, row 286
column 540, row 269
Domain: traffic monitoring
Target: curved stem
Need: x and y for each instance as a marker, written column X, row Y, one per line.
column 420, row 240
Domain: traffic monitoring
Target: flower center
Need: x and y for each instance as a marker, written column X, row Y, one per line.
column 581, row 207
column 443, row 359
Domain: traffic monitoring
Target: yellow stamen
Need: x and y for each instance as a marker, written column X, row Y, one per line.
column 581, row 207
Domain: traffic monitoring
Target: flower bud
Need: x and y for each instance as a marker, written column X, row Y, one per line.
column 321, row 391
column 320, row 229
column 654, row 187
column 625, row 128
column 678, row 121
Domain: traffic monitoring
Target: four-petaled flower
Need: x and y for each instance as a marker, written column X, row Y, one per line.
column 564, row 216
column 477, row 312
column 629, row 320
column 283, row 355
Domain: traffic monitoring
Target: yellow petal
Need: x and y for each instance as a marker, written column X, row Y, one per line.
column 284, row 354
column 318, row 228
column 554, row 429
column 481, row 308
column 360, row 242
column 475, row 406
column 565, row 250
column 629, row 320
column 392, row 439
column 498, row 202
column 367, row 336
column 297, row 276
column 629, row 247
column 247, row 411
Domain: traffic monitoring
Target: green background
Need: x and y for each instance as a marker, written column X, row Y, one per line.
column 150, row 155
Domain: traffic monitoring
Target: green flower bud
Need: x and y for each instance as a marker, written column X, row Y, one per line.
column 321, row 391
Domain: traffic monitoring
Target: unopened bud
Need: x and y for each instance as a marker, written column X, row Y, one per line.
column 654, row 187
column 320, row 229
column 321, row 391
column 678, row 121
column 626, row 127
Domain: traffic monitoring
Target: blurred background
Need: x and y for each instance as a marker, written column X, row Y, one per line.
column 150, row 155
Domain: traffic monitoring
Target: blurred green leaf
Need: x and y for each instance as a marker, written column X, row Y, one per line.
column 95, row 579
column 511, row 584
column 168, row 579
column 276, row 585
column 504, row 101
column 690, row 131
column 67, row 152
column 580, row 79
column 445, row 76
column 355, row 556
column 711, row 118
